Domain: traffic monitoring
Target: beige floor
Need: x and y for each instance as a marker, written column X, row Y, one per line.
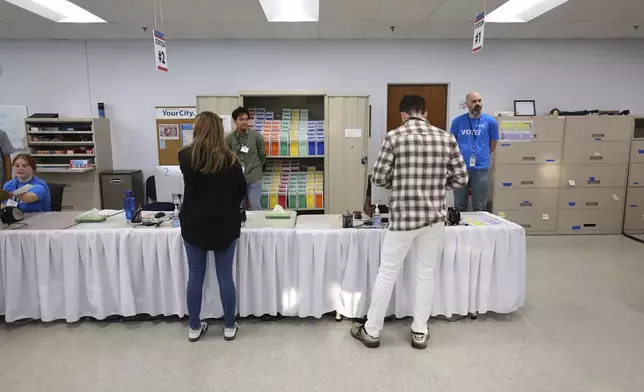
column 581, row 330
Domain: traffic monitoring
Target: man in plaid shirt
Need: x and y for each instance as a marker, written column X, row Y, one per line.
column 419, row 162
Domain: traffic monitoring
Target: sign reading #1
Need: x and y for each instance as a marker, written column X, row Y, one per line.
column 160, row 51
column 176, row 113
column 479, row 33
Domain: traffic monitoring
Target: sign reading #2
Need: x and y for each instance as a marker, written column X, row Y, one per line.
column 176, row 113
column 160, row 51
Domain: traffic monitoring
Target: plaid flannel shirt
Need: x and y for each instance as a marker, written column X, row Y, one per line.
column 419, row 162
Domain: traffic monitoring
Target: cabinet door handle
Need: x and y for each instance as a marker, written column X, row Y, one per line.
column 527, row 182
column 592, row 203
column 529, row 158
column 598, row 135
column 590, row 225
column 593, row 158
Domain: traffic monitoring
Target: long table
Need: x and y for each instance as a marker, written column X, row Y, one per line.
column 107, row 269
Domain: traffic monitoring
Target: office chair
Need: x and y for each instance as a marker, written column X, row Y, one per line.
column 151, row 195
column 56, row 195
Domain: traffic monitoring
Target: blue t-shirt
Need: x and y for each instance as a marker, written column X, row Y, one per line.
column 481, row 131
column 39, row 188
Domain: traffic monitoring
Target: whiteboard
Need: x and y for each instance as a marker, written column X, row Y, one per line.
column 12, row 121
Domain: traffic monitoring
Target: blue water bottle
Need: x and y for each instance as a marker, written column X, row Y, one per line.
column 129, row 205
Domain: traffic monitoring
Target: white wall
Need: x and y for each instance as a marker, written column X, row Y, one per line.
column 60, row 76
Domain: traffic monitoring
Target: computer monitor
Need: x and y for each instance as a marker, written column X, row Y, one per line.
column 169, row 181
column 381, row 196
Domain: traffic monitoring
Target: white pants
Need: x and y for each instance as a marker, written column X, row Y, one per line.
column 395, row 247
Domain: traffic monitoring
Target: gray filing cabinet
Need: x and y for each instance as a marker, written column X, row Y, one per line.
column 114, row 184
column 594, row 174
column 634, row 213
column 526, row 174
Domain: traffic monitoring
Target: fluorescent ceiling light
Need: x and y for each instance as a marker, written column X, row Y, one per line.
column 291, row 10
column 60, row 11
column 521, row 11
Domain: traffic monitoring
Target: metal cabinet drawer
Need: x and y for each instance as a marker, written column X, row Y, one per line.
column 528, row 153
column 637, row 152
column 593, row 176
column 545, row 128
column 636, row 175
column 533, row 221
column 634, row 219
column 593, row 128
column 593, row 153
column 589, row 222
column 592, row 199
column 526, row 176
column 525, row 199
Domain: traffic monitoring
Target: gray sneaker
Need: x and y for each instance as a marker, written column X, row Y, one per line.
column 419, row 340
column 358, row 332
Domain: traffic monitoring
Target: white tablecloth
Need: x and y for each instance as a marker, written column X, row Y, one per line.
column 68, row 274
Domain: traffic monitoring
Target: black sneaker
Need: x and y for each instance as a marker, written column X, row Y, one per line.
column 419, row 340
column 194, row 335
column 358, row 332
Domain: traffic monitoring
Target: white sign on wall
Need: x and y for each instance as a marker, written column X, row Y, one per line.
column 160, row 51
column 479, row 33
column 176, row 113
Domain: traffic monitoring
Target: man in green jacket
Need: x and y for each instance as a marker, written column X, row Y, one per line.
column 248, row 144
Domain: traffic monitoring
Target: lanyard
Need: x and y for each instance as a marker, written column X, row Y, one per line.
column 474, row 130
column 242, row 140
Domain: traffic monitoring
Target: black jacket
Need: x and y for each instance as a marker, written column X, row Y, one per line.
column 209, row 216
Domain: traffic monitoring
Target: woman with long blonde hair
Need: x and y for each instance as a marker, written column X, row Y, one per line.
column 210, row 217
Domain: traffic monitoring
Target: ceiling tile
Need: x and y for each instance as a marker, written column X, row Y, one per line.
column 11, row 13
column 255, row 30
column 382, row 30
column 442, row 30
column 340, row 30
column 348, row 10
column 232, row 10
column 404, row 10
column 209, row 30
column 463, row 10
column 295, row 30
column 17, row 31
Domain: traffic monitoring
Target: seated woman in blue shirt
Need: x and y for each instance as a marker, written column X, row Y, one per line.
column 37, row 199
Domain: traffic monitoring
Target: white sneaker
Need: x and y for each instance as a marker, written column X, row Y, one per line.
column 230, row 332
column 196, row 334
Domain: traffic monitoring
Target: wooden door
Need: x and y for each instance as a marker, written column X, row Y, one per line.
column 436, row 101
column 347, row 140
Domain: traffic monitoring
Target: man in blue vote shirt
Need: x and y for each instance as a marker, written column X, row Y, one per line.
column 476, row 134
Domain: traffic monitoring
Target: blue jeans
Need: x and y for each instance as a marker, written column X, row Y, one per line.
column 197, row 259
column 254, row 196
column 478, row 183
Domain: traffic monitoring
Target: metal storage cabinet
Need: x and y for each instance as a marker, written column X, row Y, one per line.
column 634, row 209
column 114, row 184
column 594, row 174
column 527, row 175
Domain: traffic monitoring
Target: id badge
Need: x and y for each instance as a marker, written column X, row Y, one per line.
column 244, row 149
column 12, row 203
column 473, row 161
column 243, row 169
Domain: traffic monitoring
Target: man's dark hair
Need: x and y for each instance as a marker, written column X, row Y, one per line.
column 239, row 111
column 412, row 104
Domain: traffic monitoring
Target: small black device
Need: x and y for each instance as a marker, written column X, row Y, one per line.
column 137, row 215
column 347, row 220
column 9, row 215
column 242, row 214
column 159, row 215
column 357, row 215
column 453, row 216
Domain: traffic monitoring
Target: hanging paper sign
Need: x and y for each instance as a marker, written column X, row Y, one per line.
column 479, row 33
column 160, row 51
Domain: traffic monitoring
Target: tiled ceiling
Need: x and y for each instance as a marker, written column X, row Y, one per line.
column 339, row 19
